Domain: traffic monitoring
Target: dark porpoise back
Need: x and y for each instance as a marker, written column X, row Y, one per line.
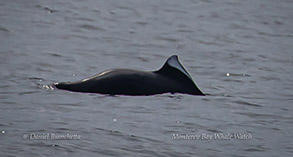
column 172, row 77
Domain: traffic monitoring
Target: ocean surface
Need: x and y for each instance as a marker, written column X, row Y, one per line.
column 239, row 52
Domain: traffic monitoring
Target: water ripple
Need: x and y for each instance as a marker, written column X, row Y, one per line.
column 246, row 103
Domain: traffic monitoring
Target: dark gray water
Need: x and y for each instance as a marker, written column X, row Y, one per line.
column 238, row 51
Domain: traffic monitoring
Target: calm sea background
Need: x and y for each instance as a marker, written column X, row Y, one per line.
column 239, row 52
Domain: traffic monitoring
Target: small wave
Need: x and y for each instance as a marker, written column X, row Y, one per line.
column 231, row 80
column 246, row 103
column 49, row 10
column 3, row 29
column 36, row 78
column 91, row 27
column 237, row 75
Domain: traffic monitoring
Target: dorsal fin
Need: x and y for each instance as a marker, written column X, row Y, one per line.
column 175, row 70
column 173, row 62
